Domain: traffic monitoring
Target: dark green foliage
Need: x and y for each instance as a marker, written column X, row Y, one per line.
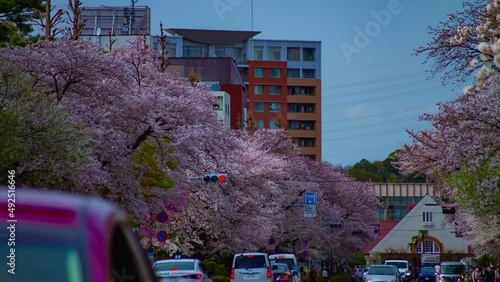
column 358, row 259
column 218, row 271
column 38, row 139
column 382, row 171
column 15, row 21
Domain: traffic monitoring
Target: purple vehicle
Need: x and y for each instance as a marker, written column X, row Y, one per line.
column 54, row 236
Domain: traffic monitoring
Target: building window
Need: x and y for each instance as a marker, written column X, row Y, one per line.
column 275, row 73
column 258, row 107
column 258, row 52
column 430, row 247
column 275, row 107
column 238, row 55
column 293, row 73
column 293, row 54
column 308, row 73
column 192, row 51
column 275, row 89
column 274, row 53
column 259, row 123
column 308, row 54
column 301, row 124
column 220, row 52
column 300, row 108
column 171, row 50
column 258, row 72
column 305, row 142
column 301, row 90
column 427, row 216
column 258, row 89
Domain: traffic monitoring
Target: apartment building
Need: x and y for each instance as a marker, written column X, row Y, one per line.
column 281, row 78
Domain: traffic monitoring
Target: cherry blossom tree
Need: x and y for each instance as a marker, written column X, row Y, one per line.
column 454, row 43
column 460, row 155
column 152, row 136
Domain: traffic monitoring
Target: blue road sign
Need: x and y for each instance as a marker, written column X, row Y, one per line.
column 162, row 235
column 162, row 217
column 271, row 241
column 310, row 198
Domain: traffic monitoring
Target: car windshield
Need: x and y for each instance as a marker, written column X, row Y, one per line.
column 250, row 261
column 45, row 257
column 174, row 265
column 288, row 262
column 398, row 264
column 428, row 270
column 451, row 269
column 381, row 270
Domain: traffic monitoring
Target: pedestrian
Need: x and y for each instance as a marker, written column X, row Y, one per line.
column 312, row 274
column 325, row 275
column 497, row 274
column 476, row 275
column 489, row 274
column 437, row 267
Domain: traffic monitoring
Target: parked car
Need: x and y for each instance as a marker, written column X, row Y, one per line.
column 365, row 273
column 251, row 266
column 451, row 271
column 357, row 274
column 383, row 273
column 180, row 270
column 54, row 236
column 281, row 272
column 403, row 266
column 427, row 274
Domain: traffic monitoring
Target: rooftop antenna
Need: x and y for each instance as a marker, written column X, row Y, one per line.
column 132, row 15
column 252, row 13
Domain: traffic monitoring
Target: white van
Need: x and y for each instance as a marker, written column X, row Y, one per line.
column 290, row 260
column 251, row 266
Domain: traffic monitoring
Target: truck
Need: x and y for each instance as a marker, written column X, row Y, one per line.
column 430, row 260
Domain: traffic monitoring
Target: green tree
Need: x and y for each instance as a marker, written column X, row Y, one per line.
column 39, row 139
column 382, row 171
column 16, row 21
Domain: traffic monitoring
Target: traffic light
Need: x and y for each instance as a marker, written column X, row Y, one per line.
column 214, row 178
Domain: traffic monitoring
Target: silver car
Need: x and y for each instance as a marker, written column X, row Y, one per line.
column 180, row 270
column 382, row 273
column 251, row 267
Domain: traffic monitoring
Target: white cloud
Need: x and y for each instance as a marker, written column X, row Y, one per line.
column 356, row 111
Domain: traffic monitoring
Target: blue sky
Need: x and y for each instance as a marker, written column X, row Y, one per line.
column 373, row 88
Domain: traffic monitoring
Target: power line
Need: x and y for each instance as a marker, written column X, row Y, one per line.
column 362, row 151
column 384, row 98
column 374, row 81
column 392, row 131
column 375, row 90
column 379, row 114
column 370, row 125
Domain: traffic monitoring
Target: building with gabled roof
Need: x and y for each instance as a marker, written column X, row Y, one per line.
column 423, row 230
